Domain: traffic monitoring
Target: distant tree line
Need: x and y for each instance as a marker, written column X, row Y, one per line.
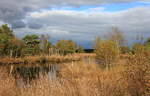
column 107, row 49
column 33, row 44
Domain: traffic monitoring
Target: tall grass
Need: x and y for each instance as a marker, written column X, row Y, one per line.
column 45, row 59
column 137, row 73
column 128, row 78
column 7, row 84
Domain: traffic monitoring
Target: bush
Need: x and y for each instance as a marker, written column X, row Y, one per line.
column 107, row 52
column 66, row 47
column 138, row 48
column 137, row 72
column 124, row 49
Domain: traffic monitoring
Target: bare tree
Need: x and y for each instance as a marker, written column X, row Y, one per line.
column 45, row 44
column 117, row 36
column 140, row 39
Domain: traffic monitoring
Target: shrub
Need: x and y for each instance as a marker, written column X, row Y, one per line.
column 107, row 52
column 137, row 72
column 66, row 46
column 138, row 48
column 124, row 49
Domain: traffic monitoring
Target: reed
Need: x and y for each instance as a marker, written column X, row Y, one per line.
column 44, row 59
column 129, row 78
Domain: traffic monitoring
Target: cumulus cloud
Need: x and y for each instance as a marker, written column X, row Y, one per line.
column 34, row 25
column 14, row 11
column 39, row 17
column 80, row 20
column 85, row 26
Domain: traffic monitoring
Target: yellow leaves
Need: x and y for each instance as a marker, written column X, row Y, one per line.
column 107, row 51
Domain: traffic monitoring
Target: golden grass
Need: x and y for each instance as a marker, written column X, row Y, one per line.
column 7, row 84
column 45, row 59
column 78, row 79
column 81, row 79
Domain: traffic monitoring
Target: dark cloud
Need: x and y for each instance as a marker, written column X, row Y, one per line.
column 16, row 10
column 12, row 14
column 18, row 24
column 85, row 26
column 34, row 25
column 24, row 16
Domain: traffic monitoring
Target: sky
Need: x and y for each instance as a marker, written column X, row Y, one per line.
column 77, row 20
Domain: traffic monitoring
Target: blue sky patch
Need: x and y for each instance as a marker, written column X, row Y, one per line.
column 106, row 7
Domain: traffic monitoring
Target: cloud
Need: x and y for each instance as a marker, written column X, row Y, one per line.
column 83, row 26
column 18, row 24
column 13, row 11
column 41, row 17
column 34, row 25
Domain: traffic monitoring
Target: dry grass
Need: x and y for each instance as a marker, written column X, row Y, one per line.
column 137, row 75
column 45, row 59
column 7, row 84
column 85, row 79
column 79, row 79
column 8, row 60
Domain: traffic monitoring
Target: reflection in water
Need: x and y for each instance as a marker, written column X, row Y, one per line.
column 25, row 74
column 53, row 72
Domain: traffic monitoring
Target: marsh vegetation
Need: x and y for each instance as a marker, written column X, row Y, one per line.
column 33, row 66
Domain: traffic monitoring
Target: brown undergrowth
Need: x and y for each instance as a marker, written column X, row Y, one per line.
column 82, row 78
column 45, row 59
